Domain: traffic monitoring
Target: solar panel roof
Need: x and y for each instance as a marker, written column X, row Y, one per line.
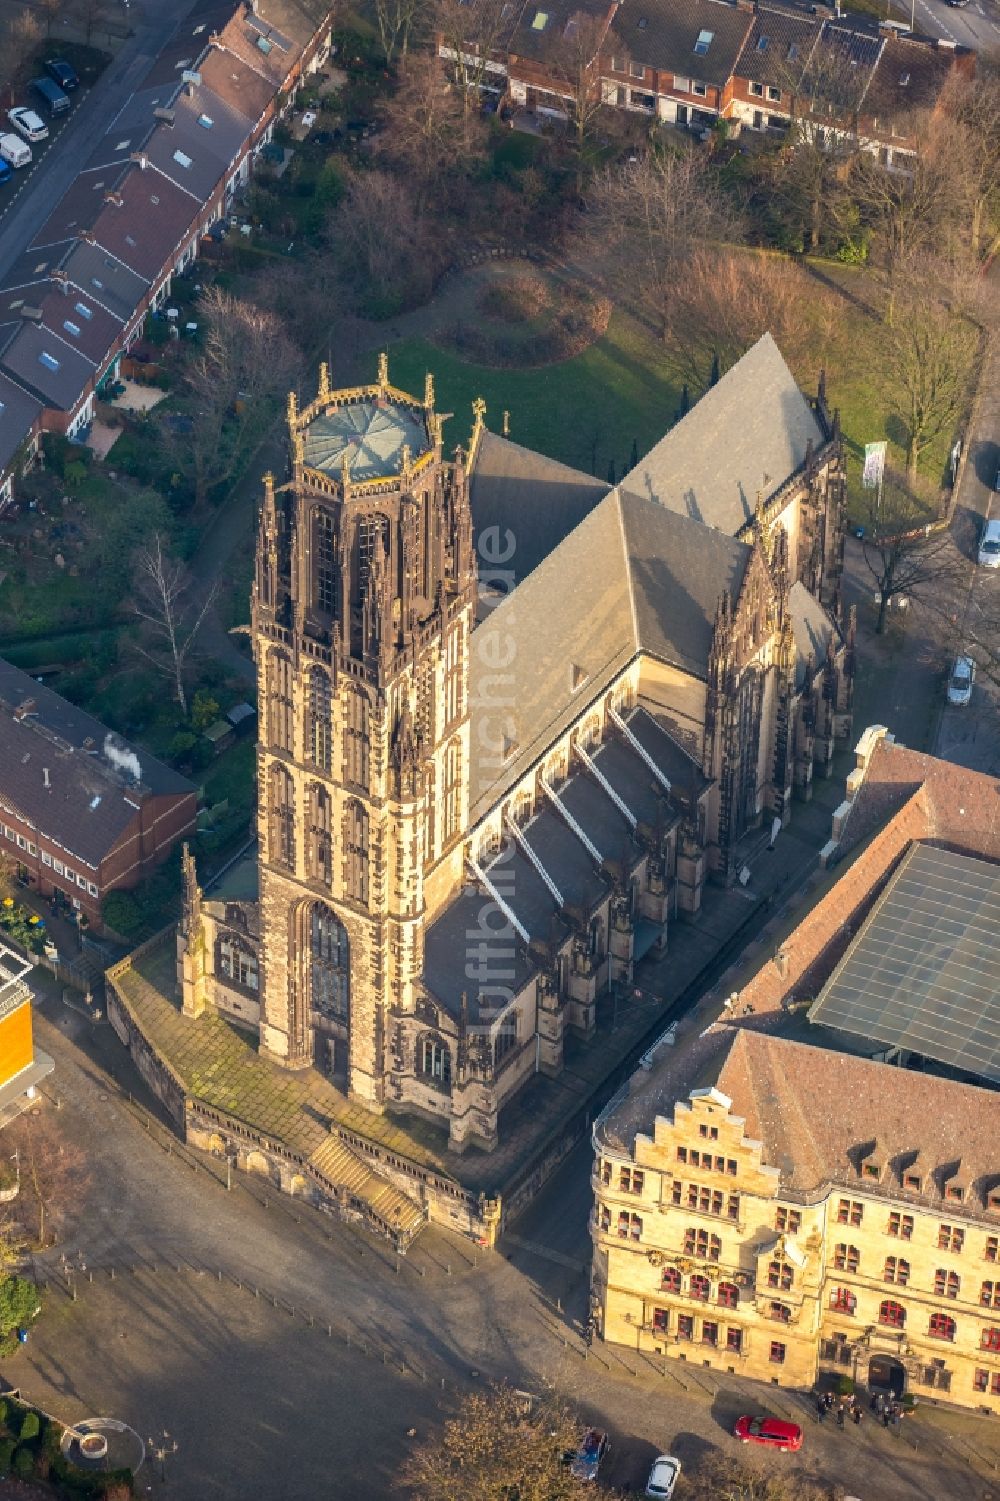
column 924, row 972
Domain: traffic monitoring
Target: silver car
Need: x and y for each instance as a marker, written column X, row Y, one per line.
column 663, row 1478
column 963, row 675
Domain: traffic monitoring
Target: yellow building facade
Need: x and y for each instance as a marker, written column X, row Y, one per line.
column 808, row 1212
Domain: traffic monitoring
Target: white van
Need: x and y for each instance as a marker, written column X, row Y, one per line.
column 989, row 546
column 15, row 151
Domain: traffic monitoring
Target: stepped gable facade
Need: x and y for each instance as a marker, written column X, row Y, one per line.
column 470, row 833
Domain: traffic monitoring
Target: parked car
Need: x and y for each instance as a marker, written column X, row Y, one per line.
column 963, row 675
column 989, row 544
column 6, row 170
column 663, row 1477
column 28, row 124
column 52, row 98
column 586, row 1462
column 15, row 152
column 61, row 73
column 771, row 1432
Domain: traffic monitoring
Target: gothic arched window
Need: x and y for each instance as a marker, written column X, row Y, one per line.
column 434, row 1060
column 325, row 555
column 505, row 1038
column 356, row 738
column 369, row 528
column 355, row 842
column 319, row 729
column 279, row 701
column 320, row 834
column 281, row 823
column 236, row 961
column 451, row 793
column 329, row 965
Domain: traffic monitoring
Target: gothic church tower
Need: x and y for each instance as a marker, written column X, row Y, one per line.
column 363, row 605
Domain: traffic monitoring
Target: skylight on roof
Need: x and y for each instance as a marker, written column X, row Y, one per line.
column 182, row 159
column 541, row 20
column 83, row 310
column 42, row 266
column 206, row 122
column 793, row 52
column 264, row 45
column 18, row 302
column 71, row 328
column 48, row 360
column 129, row 240
column 904, row 80
column 95, row 282
column 643, row 22
column 198, row 29
column 124, row 145
column 705, row 40
column 762, row 42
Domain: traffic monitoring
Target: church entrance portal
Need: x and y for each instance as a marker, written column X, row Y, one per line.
column 886, row 1374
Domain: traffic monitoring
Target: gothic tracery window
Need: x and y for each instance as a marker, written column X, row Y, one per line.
column 451, row 800
column 319, row 732
column 356, row 738
column 505, row 1038
column 281, row 824
column 434, row 1060
column 235, row 960
column 355, row 843
column 327, row 571
column 320, row 834
column 279, row 701
column 369, row 528
column 329, row 965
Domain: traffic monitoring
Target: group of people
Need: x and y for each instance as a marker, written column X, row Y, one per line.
column 886, row 1409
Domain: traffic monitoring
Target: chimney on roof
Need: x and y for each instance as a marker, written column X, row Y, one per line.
column 33, row 313
column 781, row 961
column 45, row 778
column 115, row 198
column 166, row 115
column 139, row 157
column 26, row 707
column 62, row 282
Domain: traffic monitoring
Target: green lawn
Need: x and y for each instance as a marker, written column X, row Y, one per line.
column 587, row 411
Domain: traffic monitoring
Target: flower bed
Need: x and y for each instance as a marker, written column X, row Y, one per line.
column 22, row 925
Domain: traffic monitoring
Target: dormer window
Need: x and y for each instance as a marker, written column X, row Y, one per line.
column 954, row 1192
column 541, row 20
column 913, row 1182
column 705, row 40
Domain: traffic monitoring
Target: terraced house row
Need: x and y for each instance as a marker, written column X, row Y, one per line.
column 165, row 173
column 692, row 63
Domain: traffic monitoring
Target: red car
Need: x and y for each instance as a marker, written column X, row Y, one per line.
column 771, row 1432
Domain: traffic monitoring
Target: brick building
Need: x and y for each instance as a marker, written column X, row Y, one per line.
column 811, row 1205
column 81, row 811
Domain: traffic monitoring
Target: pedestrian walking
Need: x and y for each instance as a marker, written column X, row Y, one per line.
column 885, row 1417
column 840, row 1416
column 857, row 1415
column 820, row 1407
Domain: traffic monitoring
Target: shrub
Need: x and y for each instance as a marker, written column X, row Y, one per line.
column 122, row 912
column 30, row 1426
column 204, row 710
column 24, row 1463
column 845, row 1386
column 4, row 1411
column 6, row 1454
column 18, row 1304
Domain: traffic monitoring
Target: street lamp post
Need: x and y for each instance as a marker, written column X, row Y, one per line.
column 160, row 1449
column 70, row 1270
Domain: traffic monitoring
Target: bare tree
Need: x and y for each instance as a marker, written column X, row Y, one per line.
column 165, row 603
column 381, row 236
column 54, row 1174
column 907, row 211
column 495, row 1447
column 89, row 12
column 19, row 36
column 430, row 134
column 905, row 555
column 572, row 60
column 469, row 36
column 974, row 106
column 655, row 214
column 730, row 1477
column 248, row 359
column 399, row 23
column 929, row 358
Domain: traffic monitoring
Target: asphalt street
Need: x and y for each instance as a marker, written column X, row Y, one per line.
column 38, row 188
column 289, row 1355
column 976, row 25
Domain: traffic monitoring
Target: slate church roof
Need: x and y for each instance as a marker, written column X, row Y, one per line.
column 747, row 433
column 632, row 577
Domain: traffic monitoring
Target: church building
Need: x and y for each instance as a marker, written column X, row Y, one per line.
column 511, row 722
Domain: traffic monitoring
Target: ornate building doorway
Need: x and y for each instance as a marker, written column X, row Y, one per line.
column 887, row 1374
